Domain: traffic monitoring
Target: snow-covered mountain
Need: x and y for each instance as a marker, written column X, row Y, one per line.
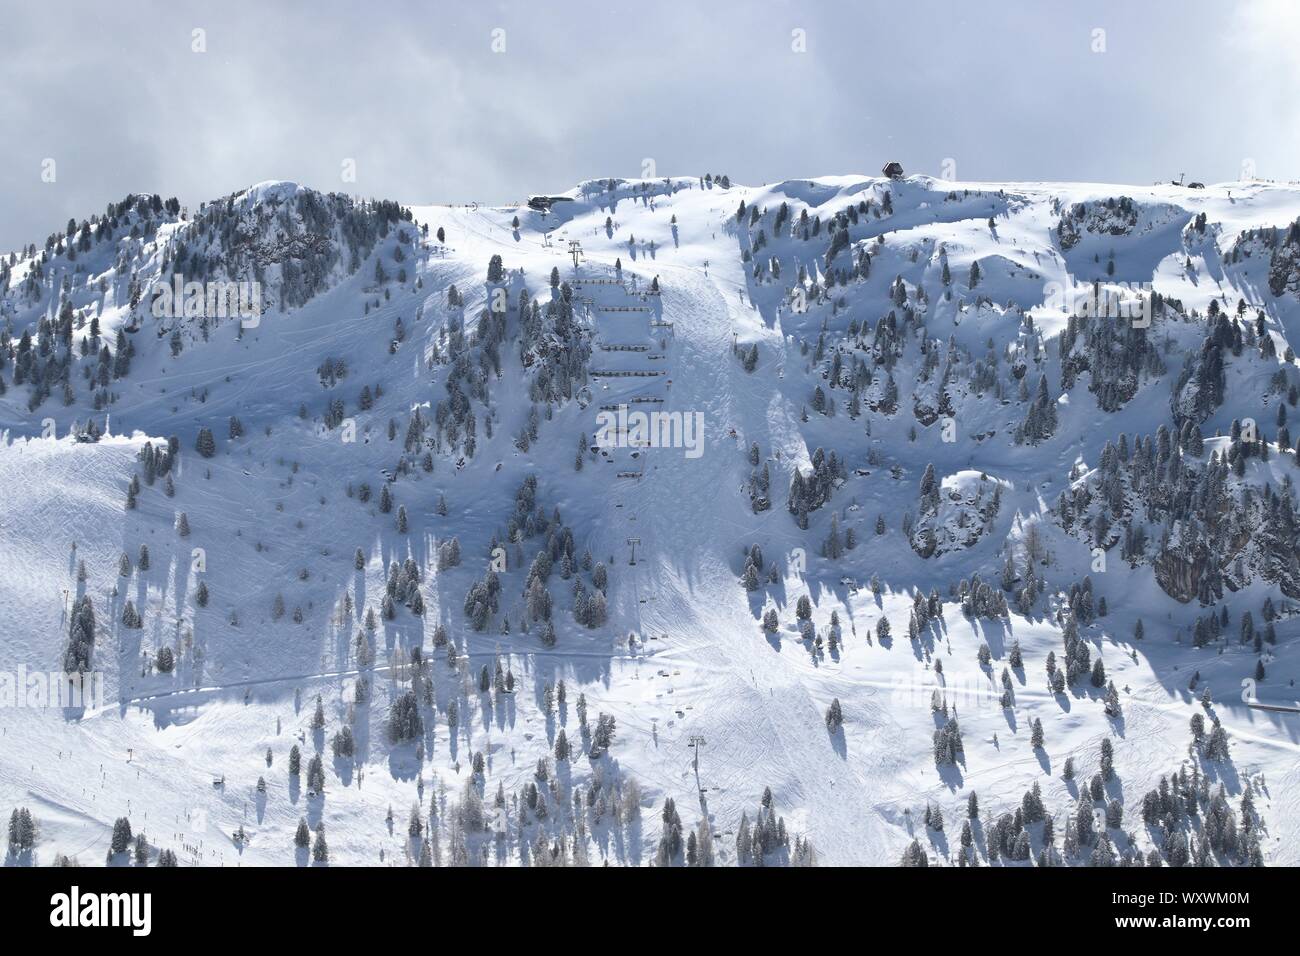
column 849, row 520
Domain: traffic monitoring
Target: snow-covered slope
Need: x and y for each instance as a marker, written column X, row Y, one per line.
column 925, row 467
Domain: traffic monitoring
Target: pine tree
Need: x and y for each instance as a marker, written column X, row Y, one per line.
column 22, row 830
column 834, row 715
column 1112, row 706
column 316, row 774
column 1107, row 759
column 914, row 855
column 121, row 840
column 130, row 616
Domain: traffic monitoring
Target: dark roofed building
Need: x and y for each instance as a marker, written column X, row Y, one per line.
column 544, row 203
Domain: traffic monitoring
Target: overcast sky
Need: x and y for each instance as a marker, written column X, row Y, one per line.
column 431, row 105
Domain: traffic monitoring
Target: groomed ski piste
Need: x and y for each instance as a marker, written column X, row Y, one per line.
column 710, row 708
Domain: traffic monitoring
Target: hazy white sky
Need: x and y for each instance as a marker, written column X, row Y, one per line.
column 416, row 95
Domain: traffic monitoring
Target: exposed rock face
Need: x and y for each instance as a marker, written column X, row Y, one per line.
column 1282, row 249
column 926, row 414
column 1203, row 573
column 1284, row 270
column 1115, row 217
column 924, row 542
column 960, row 515
column 1180, row 576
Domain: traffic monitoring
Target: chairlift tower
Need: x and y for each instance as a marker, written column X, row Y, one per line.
column 575, row 250
column 696, row 741
column 633, row 542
